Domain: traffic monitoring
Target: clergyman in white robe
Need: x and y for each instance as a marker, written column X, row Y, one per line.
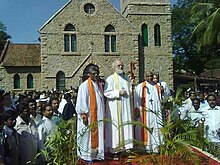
column 83, row 130
column 153, row 115
column 119, row 130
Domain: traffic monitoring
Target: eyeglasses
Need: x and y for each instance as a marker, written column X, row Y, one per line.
column 120, row 65
column 95, row 74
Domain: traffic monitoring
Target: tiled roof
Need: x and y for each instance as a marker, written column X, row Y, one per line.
column 21, row 55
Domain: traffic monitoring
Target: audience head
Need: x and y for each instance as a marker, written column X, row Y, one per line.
column 156, row 78
column 54, row 101
column 196, row 103
column 192, row 94
column 47, row 111
column 6, row 99
column 211, row 98
column 10, row 118
column 24, row 110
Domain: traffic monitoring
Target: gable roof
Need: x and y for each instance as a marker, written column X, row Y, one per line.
column 70, row 1
column 21, row 55
column 51, row 18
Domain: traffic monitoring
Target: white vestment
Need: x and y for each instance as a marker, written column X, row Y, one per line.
column 212, row 123
column 84, row 132
column 153, row 115
column 119, row 130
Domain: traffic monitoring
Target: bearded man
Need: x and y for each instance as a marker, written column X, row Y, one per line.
column 119, row 131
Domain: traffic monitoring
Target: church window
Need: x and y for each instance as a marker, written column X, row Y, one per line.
column 17, row 81
column 60, row 81
column 30, row 82
column 110, row 39
column 89, row 8
column 157, row 35
column 70, row 44
column 144, row 35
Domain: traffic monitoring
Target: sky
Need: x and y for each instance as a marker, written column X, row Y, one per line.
column 23, row 18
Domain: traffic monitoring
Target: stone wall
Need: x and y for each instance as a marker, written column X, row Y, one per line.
column 155, row 58
column 89, row 29
column 7, row 78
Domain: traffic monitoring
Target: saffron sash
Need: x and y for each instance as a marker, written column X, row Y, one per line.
column 144, row 131
column 93, row 116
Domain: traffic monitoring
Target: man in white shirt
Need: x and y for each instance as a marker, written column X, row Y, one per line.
column 28, row 134
column 212, row 119
column 46, row 127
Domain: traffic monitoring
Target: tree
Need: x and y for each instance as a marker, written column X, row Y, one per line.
column 3, row 36
column 206, row 17
column 186, row 56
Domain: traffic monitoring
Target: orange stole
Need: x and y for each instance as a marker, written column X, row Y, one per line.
column 144, row 131
column 93, row 116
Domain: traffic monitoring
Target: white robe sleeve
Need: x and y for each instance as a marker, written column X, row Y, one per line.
column 82, row 103
column 109, row 89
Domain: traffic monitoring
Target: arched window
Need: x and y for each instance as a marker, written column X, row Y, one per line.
column 144, row 30
column 17, row 84
column 157, row 35
column 60, row 81
column 30, row 81
column 70, row 39
column 110, row 39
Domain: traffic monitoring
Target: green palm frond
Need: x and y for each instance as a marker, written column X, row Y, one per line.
column 202, row 10
column 213, row 29
column 206, row 17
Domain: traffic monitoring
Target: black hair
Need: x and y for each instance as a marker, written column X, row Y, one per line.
column 22, row 106
column 45, row 106
column 9, row 114
column 209, row 95
column 67, row 96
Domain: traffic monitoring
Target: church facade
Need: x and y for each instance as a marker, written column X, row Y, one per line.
column 93, row 31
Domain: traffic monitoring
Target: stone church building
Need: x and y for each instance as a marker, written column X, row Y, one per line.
column 92, row 31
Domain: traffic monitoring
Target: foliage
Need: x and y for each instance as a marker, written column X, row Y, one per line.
column 206, row 17
column 3, row 36
column 62, row 147
column 188, row 53
column 206, row 34
column 184, row 49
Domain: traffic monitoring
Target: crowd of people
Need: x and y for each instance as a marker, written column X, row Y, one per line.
column 28, row 121
column 106, row 113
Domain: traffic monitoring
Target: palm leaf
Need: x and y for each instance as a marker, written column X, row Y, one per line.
column 213, row 29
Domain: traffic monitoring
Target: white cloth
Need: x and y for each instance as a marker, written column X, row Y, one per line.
column 166, row 89
column 212, row 123
column 46, row 130
column 115, row 113
column 28, row 140
column 84, row 132
column 185, row 108
column 62, row 105
column 204, row 104
column 195, row 116
column 154, row 115
column 36, row 119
